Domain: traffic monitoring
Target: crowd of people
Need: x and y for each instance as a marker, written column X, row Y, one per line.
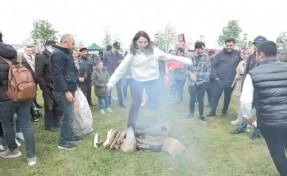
column 254, row 75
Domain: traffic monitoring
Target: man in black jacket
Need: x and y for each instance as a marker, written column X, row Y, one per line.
column 223, row 72
column 64, row 76
column 44, row 79
column 265, row 87
column 85, row 73
column 9, row 108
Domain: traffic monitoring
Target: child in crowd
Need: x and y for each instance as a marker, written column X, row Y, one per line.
column 181, row 43
column 100, row 77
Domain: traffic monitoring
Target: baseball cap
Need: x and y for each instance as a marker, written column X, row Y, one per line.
column 83, row 49
column 259, row 40
column 117, row 45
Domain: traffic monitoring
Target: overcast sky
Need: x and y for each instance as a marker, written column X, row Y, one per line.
column 88, row 19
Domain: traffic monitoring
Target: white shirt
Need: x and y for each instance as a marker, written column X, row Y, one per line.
column 31, row 61
column 144, row 67
column 246, row 98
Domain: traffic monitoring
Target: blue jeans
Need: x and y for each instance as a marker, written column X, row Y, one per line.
column 107, row 102
column 8, row 109
column 16, row 124
column 152, row 89
column 67, row 109
column 243, row 126
column 127, row 83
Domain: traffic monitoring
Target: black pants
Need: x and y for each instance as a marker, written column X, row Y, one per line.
column 152, row 89
column 84, row 88
column 51, row 109
column 209, row 91
column 276, row 140
column 89, row 89
column 196, row 92
column 219, row 87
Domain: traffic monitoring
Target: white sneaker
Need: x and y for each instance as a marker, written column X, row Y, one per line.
column 96, row 140
column 1, row 147
column 102, row 111
column 32, row 161
column 109, row 110
column 17, row 142
column 235, row 122
column 10, row 153
column 20, row 136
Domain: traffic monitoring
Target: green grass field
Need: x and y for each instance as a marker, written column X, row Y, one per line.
column 211, row 149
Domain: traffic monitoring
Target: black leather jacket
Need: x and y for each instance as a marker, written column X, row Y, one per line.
column 63, row 70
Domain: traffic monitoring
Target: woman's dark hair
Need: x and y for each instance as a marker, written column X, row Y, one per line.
column 183, row 38
column 133, row 47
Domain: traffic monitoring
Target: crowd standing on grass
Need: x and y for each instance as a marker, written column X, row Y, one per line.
column 256, row 79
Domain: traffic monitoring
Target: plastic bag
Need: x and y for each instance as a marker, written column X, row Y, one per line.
column 83, row 121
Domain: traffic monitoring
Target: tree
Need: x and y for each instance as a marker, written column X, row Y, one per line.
column 280, row 41
column 27, row 41
column 107, row 39
column 232, row 30
column 166, row 38
column 42, row 32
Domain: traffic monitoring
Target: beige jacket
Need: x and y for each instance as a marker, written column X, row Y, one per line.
column 238, row 80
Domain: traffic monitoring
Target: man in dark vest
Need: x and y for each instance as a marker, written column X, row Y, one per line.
column 252, row 62
column 265, row 87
